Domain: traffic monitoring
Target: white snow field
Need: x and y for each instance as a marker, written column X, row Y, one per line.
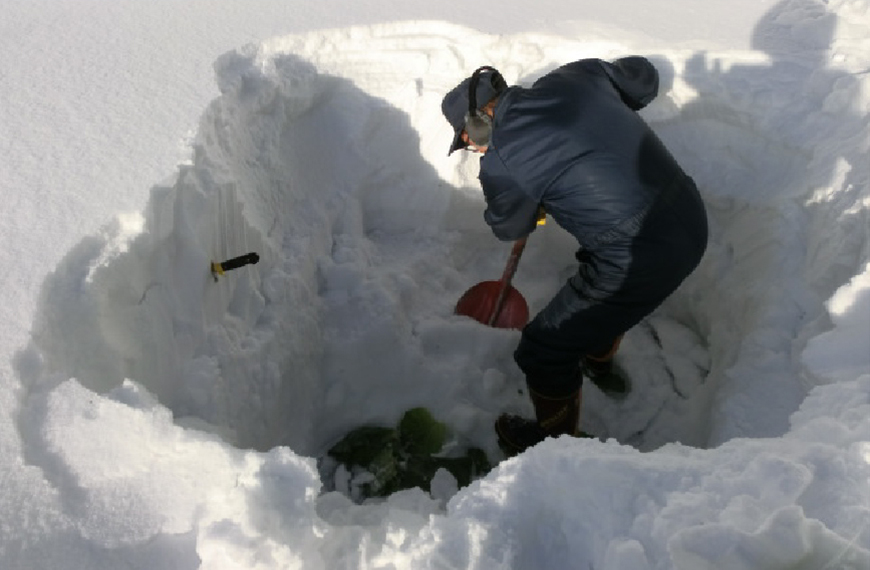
column 155, row 417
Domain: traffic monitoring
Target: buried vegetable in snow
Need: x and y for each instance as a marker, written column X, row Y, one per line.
column 406, row 456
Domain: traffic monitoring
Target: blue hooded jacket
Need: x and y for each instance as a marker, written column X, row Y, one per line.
column 574, row 144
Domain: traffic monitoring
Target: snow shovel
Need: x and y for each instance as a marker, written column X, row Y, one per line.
column 497, row 303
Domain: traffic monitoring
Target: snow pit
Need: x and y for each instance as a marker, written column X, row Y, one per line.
column 329, row 163
column 334, row 174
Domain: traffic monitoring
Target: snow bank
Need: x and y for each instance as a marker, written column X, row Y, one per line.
column 178, row 417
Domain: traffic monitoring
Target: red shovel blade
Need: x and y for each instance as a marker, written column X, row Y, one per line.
column 479, row 303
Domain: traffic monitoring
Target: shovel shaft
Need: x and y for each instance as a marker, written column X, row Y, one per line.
column 506, row 278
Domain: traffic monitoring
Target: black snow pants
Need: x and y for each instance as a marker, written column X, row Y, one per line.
column 621, row 279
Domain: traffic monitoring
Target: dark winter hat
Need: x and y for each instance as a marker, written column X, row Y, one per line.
column 455, row 104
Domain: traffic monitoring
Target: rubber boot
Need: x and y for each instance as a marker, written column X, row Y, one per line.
column 555, row 416
column 599, row 368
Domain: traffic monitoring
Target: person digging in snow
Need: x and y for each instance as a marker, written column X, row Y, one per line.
column 572, row 145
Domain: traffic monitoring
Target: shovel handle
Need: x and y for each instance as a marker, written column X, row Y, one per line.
column 506, row 277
